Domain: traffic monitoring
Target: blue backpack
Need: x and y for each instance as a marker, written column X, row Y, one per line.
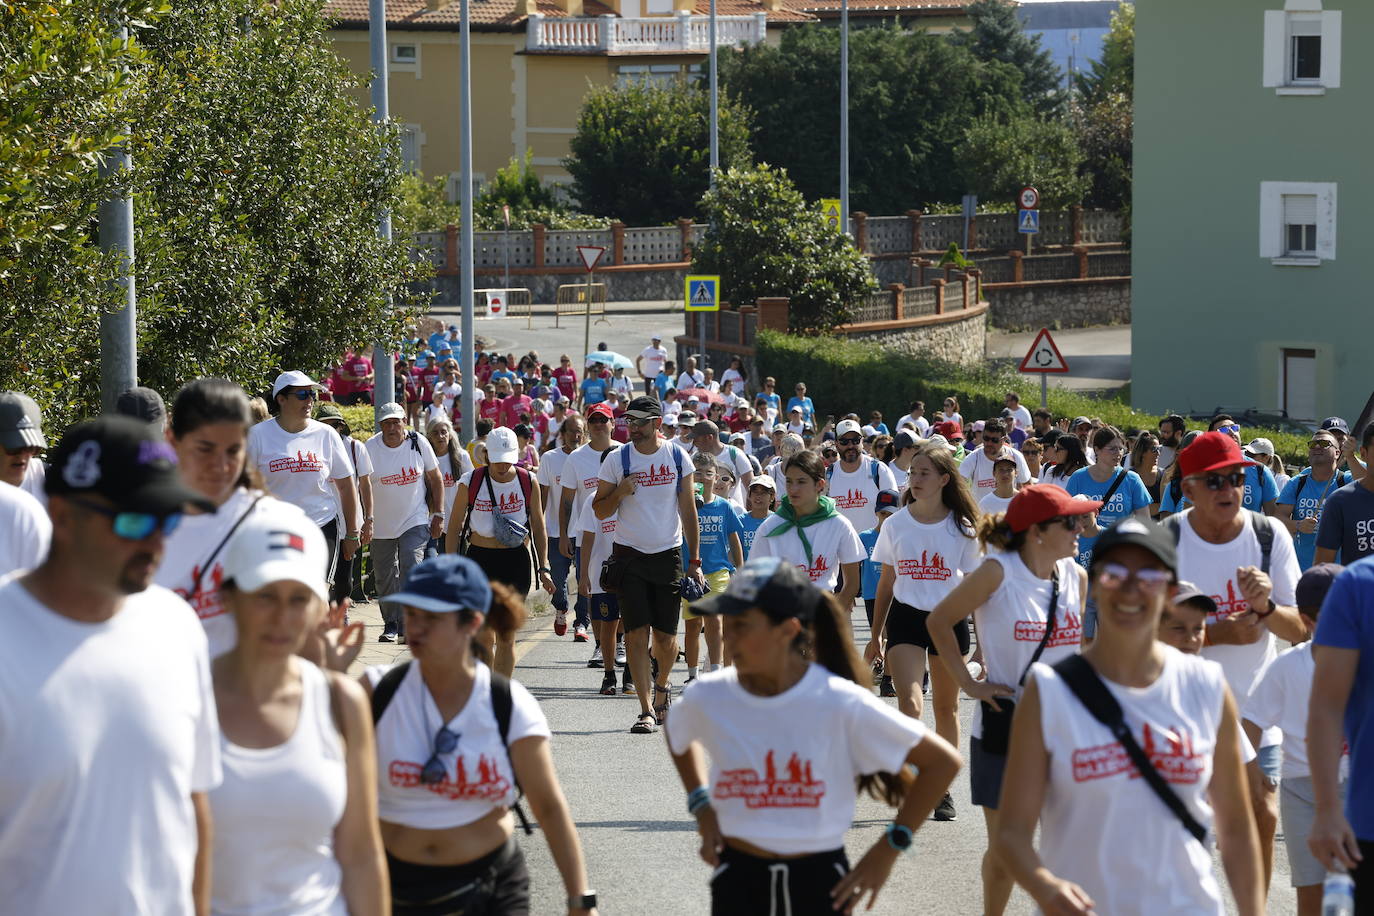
column 625, row 463
column 872, row 469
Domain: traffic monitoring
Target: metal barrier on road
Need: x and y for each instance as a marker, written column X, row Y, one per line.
column 572, row 300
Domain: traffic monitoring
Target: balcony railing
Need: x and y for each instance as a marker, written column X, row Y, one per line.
column 612, row 34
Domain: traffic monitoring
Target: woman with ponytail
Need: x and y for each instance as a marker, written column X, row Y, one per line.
column 455, row 741
column 780, row 795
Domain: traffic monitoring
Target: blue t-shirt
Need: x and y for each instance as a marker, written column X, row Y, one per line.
column 662, row 384
column 808, row 409
column 749, row 526
column 1347, row 525
column 774, row 400
column 717, row 521
column 1307, row 497
column 502, row 374
column 1260, row 488
column 882, row 429
column 869, row 569
column 435, row 339
column 1130, row 497
column 1347, row 622
column 593, row 390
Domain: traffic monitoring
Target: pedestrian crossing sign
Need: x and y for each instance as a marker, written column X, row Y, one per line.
column 1029, row 223
column 703, row 294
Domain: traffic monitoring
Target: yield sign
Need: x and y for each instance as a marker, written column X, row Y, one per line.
column 1044, row 356
column 590, row 255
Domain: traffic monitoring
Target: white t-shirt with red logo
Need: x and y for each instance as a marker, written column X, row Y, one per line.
column 398, row 484
column 580, row 474
column 929, row 560
column 833, row 543
column 647, row 519
column 1212, row 567
column 1099, row 814
column 463, row 462
column 787, row 789
column 188, row 552
column 510, row 500
column 550, row 478
column 298, row 467
column 603, row 530
column 1012, row 622
column 977, row 467
column 856, row 494
column 1279, row 699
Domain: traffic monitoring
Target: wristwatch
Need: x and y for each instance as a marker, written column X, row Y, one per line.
column 545, row 569
column 585, row 901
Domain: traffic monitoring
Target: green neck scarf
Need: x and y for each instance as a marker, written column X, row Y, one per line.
column 825, row 509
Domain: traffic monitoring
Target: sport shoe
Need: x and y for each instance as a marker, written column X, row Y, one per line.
column 560, row 623
column 608, row 684
column 945, row 810
column 620, row 655
column 886, row 689
column 579, row 633
column 388, row 633
column 627, row 685
column 595, row 661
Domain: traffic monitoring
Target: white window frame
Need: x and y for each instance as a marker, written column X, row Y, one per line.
column 1273, row 239
column 403, row 65
column 418, row 133
column 1300, row 17
column 452, row 189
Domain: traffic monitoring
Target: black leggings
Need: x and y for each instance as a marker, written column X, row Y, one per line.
column 746, row 885
column 498, row 884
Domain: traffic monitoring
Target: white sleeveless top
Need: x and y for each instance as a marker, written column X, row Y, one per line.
column 1012, row 623
column 1099, row 815
column 275, row 814
column 510, row 501
column 478, row 777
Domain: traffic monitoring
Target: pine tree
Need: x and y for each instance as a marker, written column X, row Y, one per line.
column 999, row 35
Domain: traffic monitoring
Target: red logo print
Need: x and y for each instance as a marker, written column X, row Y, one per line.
column 1067, row 632
column 656, row 476
column 1233, row 603
column 506, row 503
column 1170, row 751
column 406, row 477
column 206, row 601
column 308, row 463
column 490, row 785
column 797, row 790
column 819, row 567
column 850, row 499
column 932, row 567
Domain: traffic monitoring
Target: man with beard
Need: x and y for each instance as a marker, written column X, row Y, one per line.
column 977, row 466
column 856, row 479
column 1171, row 431
column 107, row 713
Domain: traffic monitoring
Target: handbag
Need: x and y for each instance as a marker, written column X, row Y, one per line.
column 1098, row 700
column 997, row 715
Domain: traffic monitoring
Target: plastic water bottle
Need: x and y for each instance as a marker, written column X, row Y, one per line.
column 1338, row 894
column 975, row 670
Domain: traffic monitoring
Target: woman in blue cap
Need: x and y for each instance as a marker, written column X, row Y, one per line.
column 456, row 744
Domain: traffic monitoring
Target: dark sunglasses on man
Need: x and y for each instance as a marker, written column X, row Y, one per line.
column 1219, row 481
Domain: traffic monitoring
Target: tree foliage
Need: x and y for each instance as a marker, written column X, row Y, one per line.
column 912, row 95
column 641, row 153
column 765, row 240
column 1114, row 73
column 425, row 207
column 997, row 158
column 998, row 35
column 1104, row 114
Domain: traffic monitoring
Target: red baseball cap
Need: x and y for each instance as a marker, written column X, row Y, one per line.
column 1210, row 452
column 603, row 409
column 950, row 430
column 1041, row 502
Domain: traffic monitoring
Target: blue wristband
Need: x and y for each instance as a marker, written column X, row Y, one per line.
column 698, row 798
column 899, row 836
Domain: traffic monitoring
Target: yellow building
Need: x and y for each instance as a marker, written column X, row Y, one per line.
column 534, row 60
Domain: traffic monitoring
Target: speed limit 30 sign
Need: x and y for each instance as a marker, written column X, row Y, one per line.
column 1029, row 199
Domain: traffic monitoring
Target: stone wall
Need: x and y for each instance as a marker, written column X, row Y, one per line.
column 960, row 338
column 1059, row 303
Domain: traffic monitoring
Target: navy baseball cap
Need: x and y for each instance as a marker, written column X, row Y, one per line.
column 1315, row 583
column 887, row 501
column 771, row 584
column 1337, row 424
column 446, row 583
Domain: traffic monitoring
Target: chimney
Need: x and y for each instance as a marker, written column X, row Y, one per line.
column 771, row 5
column 522, row 7
column 435, row 5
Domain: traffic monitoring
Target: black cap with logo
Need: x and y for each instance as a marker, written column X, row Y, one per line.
column 773, row 585
column 644, row 408
column 125, row 461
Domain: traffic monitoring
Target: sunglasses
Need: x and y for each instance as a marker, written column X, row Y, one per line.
column 1218, row 481
column 302, row 394
column 598, row 418
column 1070, row 522
column 1321, row 445
column 134, row 526
column 849, row 440
column 992, row 440
column 1233, row 428
column 640, row 424
column 434, row 771
column 1113, row 576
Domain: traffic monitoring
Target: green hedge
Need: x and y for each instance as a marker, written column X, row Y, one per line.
column 843, row 376
column 360, row 421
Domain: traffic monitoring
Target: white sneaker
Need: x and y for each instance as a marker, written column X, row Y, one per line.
column 620, row 654
column 579, row 633
column 596, row 661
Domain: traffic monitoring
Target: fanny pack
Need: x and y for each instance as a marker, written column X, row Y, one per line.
column 507, row 531
column 997, row 715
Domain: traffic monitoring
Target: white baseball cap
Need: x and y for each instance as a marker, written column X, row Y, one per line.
column 847, row 426
column 391, row 411
column 502, row 447
column 293, row 379
column 276, row 543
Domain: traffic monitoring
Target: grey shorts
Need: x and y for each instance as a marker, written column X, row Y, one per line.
column 985, row 771
column 1297, row 810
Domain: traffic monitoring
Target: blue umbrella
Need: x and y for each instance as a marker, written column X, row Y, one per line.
column 611, row 358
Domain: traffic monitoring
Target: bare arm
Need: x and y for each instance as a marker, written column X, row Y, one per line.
column 1237, row 838
column 851, row 584
column 348, row 499
column 456, row 520
column 971, row 593
column 533, row 765
column 882, row 603
column 736, row 551
column 1332, row 839
column 539, row 536
column 565, row 543
column 691, row 769
column 691, row 528
column 608, row 496
column 205, row 843
column 357, row 838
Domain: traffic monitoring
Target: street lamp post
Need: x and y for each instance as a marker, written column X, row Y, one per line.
column 118, row 329
column 469, row 396
column 844, row 116
column 715, row 110
column 383, row 365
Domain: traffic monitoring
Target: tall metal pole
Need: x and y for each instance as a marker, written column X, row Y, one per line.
column 844, row 116
column 118, row 329
column 715, row 108
column 383, row 366
column 469, row 430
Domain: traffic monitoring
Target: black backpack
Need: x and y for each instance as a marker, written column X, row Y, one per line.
column 1263, row 533
column 501, row 705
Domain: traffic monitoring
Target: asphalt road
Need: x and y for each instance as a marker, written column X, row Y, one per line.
column 1097, row 357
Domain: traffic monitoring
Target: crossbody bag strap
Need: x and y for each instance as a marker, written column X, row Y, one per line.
column 1111, row 491
column 1049, row 625
column 386, row 688
column 501, row 706
column 1098, row 700
column 210, row 560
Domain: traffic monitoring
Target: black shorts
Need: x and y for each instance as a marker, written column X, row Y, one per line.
column 906, row 626
column 1364, row 880
column 603, row 607
column 745, row 885
column 649, row 594
column 985, row 772
column 508, row 565
column 497, row 883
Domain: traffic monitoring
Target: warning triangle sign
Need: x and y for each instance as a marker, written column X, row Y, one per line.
column 590, row 254
column 1044, row 356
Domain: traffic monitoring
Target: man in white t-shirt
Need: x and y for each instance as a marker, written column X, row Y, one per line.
column 706, row 439
column 977, row 466
column 21, row 442
column 856, row 479
column 25, row 531
column 1220, row 550
column 655, row 512
column 916, row 420
column 551, row 465
column 650, row 363
column 690, row 377
column 408, row 493
column 579, row 482
column 1018, row 410
column 109, row 739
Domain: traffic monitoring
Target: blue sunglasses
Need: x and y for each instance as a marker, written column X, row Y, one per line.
column 434, row 771
column 135, row 526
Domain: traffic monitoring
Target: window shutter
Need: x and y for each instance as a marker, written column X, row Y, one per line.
column 1331, row 49
column 1275, row 47
column 1326, row 222
column 1271, row 221
column 410, row 148
column 1300, row 209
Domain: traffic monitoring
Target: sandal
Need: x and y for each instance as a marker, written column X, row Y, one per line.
column 646, row 724
column 661, row 709
column 608, row 684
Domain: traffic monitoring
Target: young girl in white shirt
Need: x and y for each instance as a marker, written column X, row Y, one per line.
column 793, row 732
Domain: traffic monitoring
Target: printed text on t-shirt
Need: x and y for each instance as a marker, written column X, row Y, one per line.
column 796, row 789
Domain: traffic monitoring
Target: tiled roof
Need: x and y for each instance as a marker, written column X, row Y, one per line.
column 501, row 15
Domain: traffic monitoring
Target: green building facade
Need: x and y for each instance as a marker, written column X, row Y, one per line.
column 1253, row 206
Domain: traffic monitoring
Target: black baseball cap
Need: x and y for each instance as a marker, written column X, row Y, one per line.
column 142, row 403
column 903, row 440
column 644, row 408
column 124, row 460
column 771, row 584
column 1148, row 535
